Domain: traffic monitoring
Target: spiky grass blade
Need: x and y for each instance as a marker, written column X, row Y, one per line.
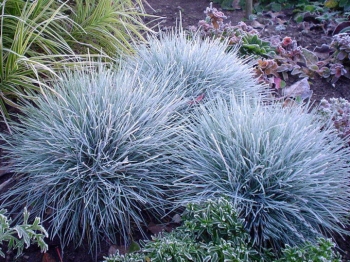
column 29, row 44
column 112, row 25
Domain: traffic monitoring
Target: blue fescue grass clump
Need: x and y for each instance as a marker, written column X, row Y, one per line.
column 203, row 66
column 92, row 155
column 287, row 172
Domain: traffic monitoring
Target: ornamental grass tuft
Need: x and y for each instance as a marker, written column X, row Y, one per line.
column 91, row 158
column 287, row 172
column 204, row 68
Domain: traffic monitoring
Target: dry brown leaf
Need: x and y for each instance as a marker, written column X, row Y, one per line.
column 300, row 89
column 255, row 24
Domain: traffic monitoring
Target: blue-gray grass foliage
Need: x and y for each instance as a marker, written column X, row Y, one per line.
column 92, row 155
column 287, row 172
column 203, row 67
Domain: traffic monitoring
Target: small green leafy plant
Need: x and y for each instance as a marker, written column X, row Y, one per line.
column 322, row 251
column 214, row 231
column 279, row 5
column 241, row 35
column 343, row 5
column 19, row 236
column 211, row 231
column 337, row 110
column 314, row 8
column 253, row 45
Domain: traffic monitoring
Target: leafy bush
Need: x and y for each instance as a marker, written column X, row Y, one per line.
column 253, row 45
column 241, row 36
column 201, row 69
column 213, row 231
column 341, row 44
column 337, row 110
column 27, row 233
column 92, row 155
column 323, row 251
column 288, row 173
column 338, row 4
column 218, row 224
column 282, row 4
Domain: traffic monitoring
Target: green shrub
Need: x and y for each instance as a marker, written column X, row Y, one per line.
column 322, row 251
column 214, row 220
column 216, row 223
column 288, row 173
column 93, row 155
column 225, row 4
column 201, row 69
column 213, row 231
column 281, row 4
column 26, row 233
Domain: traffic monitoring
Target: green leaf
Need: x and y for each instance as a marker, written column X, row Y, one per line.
column 276, row 7
column 309, row 56
column 299, row 18
column 344, row 3
column 134, row 246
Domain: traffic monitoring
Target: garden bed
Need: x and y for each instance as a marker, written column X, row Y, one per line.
column 191, row 13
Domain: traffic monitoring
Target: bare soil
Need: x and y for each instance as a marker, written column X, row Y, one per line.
column 188, row 13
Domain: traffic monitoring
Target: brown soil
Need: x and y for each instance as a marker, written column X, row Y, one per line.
column 191, row 12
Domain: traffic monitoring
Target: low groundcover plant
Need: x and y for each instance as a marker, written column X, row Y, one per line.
column 23, row 235
column 286, row 171
column 91, row 157
column 213, row 231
